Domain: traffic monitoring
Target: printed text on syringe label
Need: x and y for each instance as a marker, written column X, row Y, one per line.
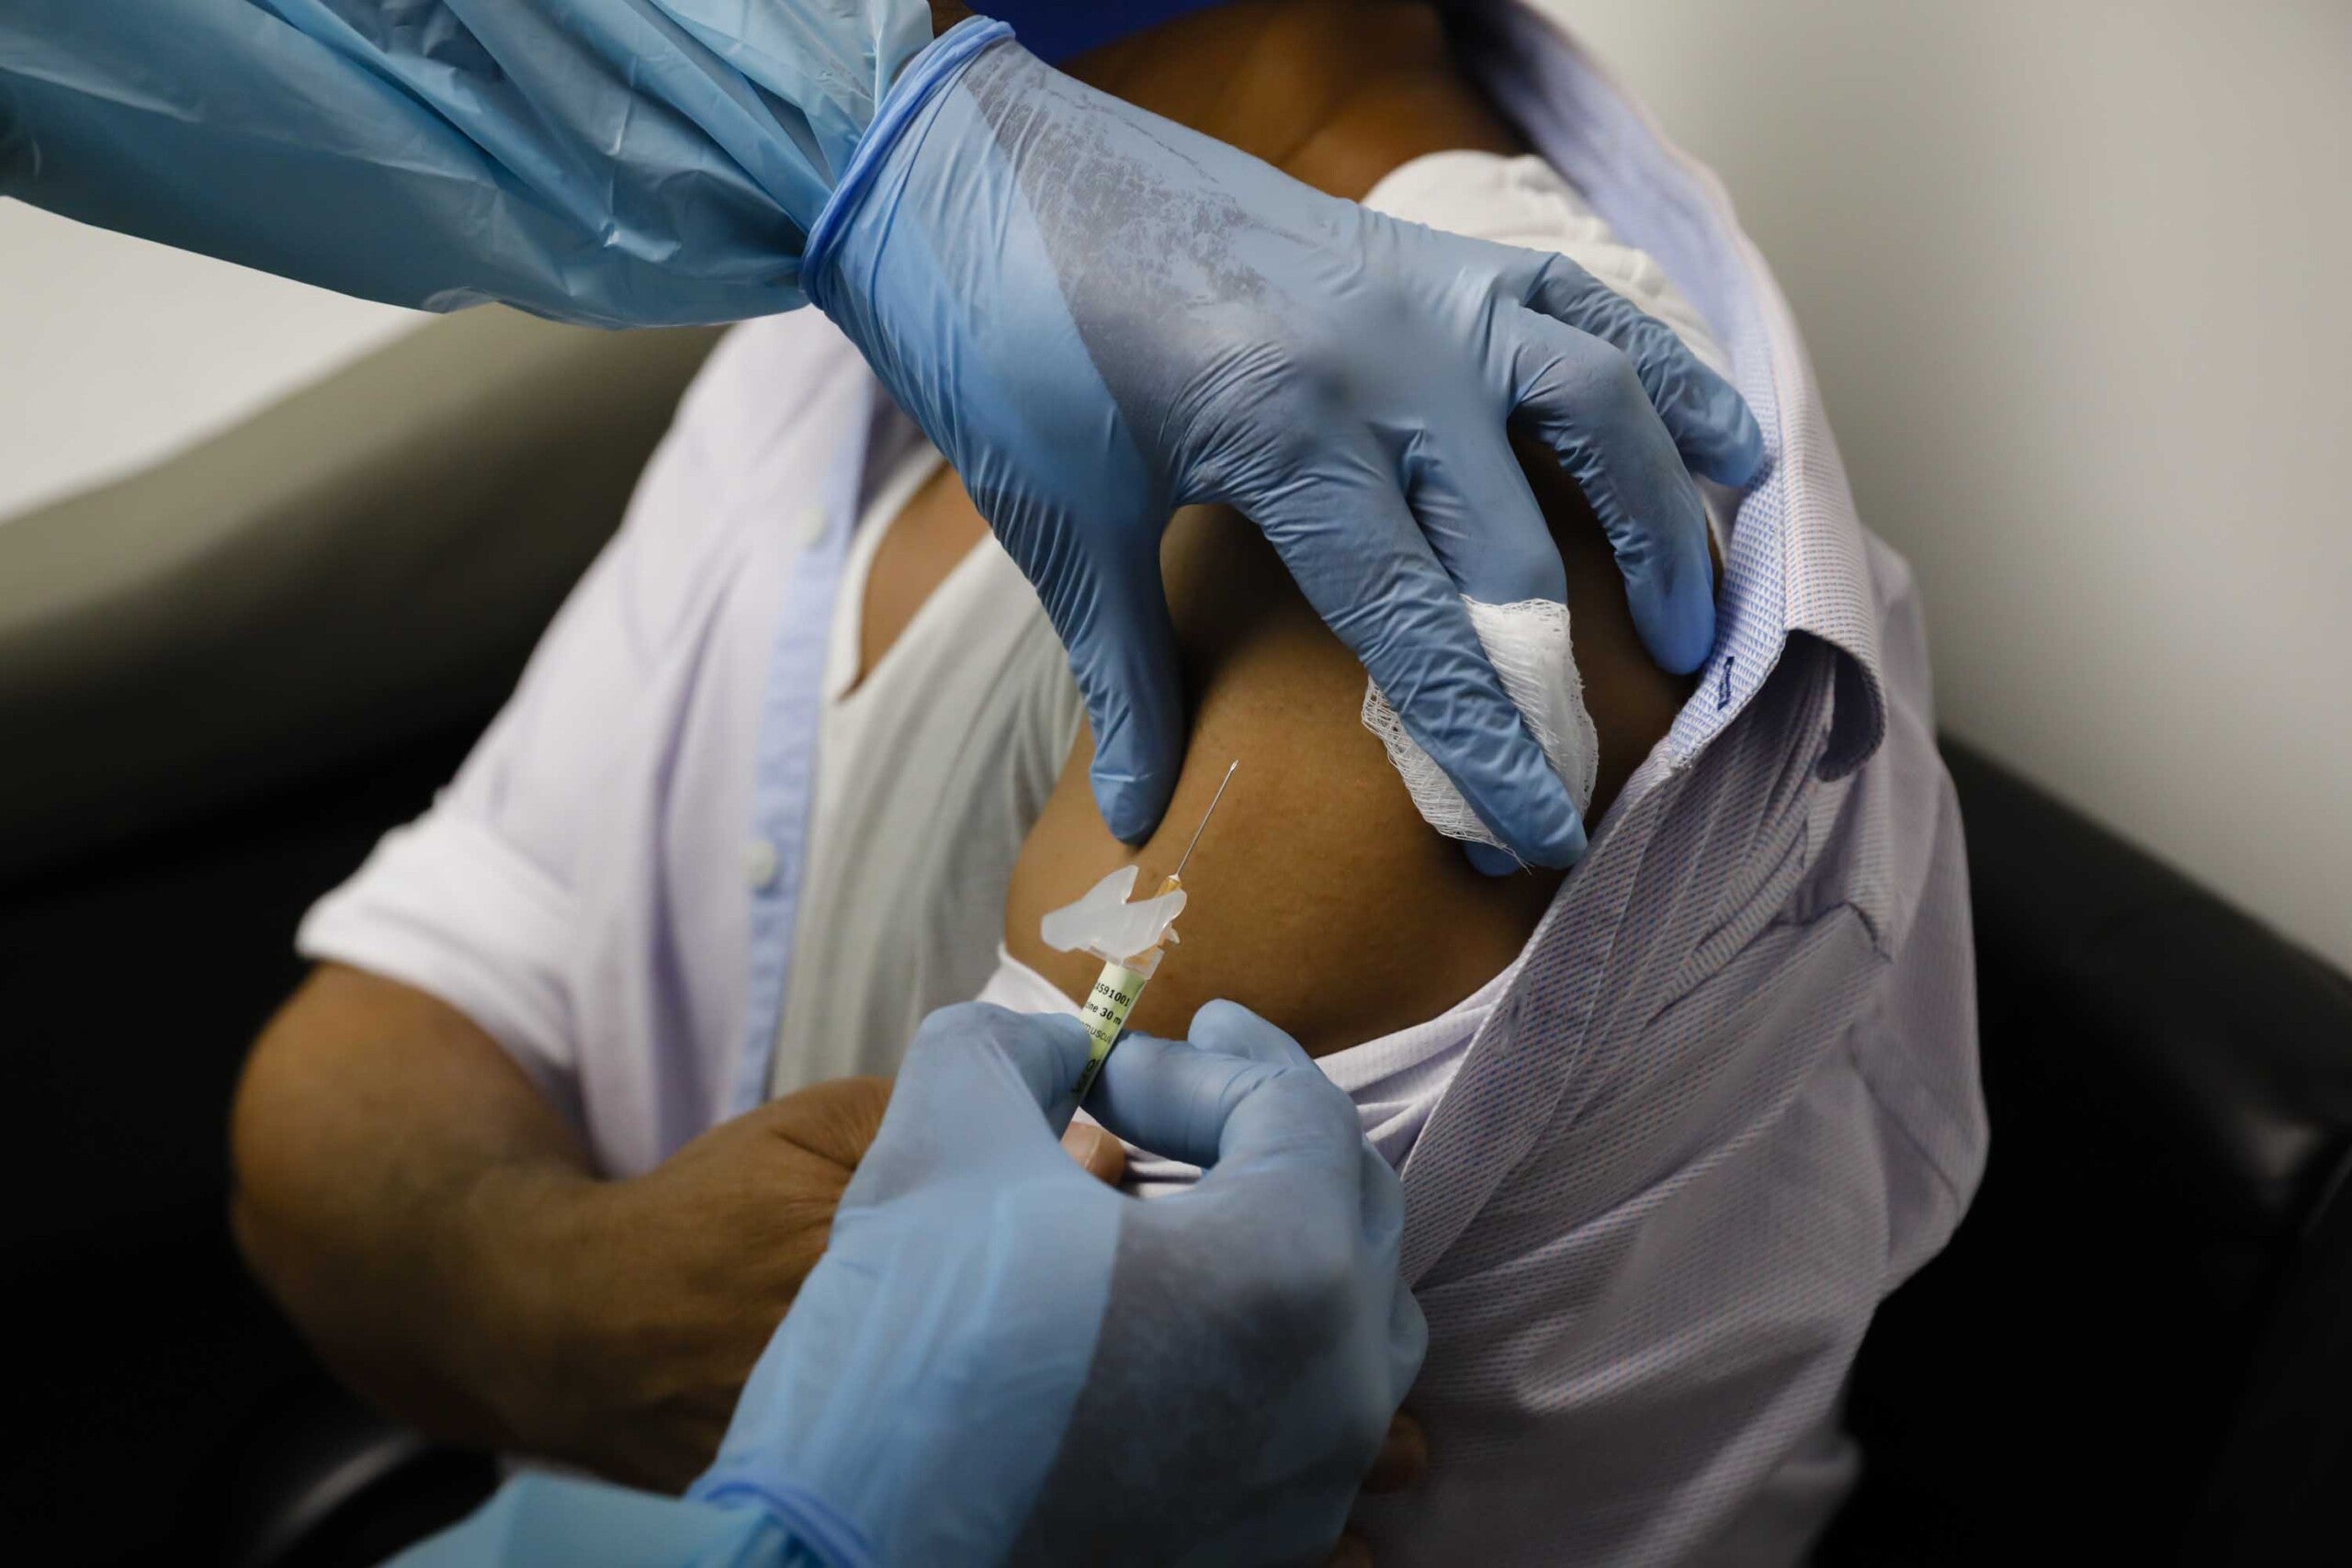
column 1106, row 1008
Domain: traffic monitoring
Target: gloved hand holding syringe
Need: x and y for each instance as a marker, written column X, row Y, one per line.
column 1128, row 937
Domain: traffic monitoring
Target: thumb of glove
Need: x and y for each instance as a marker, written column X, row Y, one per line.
column 982, row 1090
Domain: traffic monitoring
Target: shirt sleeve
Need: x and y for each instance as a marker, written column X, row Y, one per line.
column 478, row 901
column 453, row 905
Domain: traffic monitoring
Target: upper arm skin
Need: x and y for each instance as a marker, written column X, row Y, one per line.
column 1318, row 896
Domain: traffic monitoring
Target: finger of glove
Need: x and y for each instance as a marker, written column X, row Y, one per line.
column 1262, row 1101
column 1710, row 423
column 1234, row 1030
column 1357, row 553
column 1123, row 649
column 1173, row 1098
column 1230, row 1029
column 1296, row 1134
column 983, row 1085
column 1484, row 525
column 1581, row 397
column 1489, row 861
column 1471, row 497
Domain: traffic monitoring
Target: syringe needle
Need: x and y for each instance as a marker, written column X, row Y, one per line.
column 1122, row 981
column 1187, row 856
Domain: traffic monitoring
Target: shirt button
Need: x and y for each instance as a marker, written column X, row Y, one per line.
column 759, row 864
column 809, row 526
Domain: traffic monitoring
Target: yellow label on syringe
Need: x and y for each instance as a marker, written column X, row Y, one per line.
column 1106, row 1011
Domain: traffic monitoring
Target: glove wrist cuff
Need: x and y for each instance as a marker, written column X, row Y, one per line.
column 930, row 72
column 820, row 1530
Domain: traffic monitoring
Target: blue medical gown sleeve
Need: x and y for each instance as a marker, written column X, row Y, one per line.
column 542, row 1521
column 618, row 163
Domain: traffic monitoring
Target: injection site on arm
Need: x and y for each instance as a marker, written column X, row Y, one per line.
column 1127, row 937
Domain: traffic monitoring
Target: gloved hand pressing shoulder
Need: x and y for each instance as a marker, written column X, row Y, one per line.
column 999, row 1358
column 1100, row 316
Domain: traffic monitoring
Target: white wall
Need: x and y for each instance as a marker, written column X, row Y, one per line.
column 2076, row 276
column 114, row 352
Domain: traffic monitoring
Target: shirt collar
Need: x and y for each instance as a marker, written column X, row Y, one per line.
column 1799, row 560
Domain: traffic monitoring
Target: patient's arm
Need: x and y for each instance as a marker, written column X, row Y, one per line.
column 1320, row 897
column 434, row 1230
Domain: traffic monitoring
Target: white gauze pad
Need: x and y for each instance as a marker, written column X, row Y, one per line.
column 1528, row 645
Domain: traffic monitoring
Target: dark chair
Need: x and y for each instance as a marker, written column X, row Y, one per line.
column 2138, row 1348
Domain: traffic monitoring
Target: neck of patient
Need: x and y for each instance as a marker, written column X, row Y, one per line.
column 1334, row 92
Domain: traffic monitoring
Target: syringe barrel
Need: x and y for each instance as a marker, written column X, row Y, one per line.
column 1105, row 1009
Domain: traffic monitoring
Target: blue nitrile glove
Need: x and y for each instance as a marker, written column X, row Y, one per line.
column 1000, row 1358
column 1100, row 316
column 539, row 1520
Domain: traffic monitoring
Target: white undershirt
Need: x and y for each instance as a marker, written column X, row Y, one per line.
column 930, row 772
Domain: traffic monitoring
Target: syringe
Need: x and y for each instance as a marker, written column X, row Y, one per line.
column 1120, row 986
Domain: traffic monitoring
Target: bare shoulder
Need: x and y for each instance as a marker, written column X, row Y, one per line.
column 1319, row 898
